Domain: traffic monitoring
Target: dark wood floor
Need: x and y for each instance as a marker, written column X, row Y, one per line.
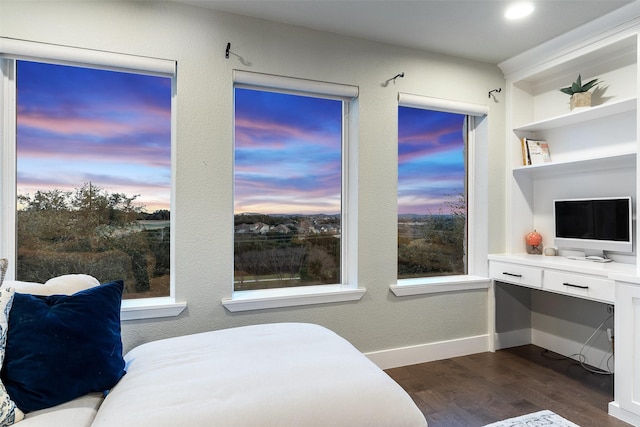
column 479, row 389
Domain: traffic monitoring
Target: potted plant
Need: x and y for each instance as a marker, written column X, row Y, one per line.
column 580, row 95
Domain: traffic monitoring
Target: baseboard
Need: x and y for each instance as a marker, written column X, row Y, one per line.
column 512, row 338
column 404, row 356
column 594, row 356
column 616, row 411
column 422, row 353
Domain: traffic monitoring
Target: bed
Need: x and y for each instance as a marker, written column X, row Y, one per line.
column 267, row 375
column 284, row 374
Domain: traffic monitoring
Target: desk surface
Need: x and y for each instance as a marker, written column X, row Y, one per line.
column 613, row 270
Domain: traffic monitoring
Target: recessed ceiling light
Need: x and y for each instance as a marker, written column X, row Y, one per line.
column 519, row 10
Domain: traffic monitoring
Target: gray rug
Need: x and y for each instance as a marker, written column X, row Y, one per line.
column 537, row 419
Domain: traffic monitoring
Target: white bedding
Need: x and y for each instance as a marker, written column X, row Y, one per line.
column 273, row 375
column 79, row 412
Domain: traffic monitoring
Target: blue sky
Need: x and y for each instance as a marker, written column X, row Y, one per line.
column 288, row 156
column 430, row 160
column 287, row 153
column 78, row 125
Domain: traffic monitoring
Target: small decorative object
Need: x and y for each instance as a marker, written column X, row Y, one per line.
column 580, row 95
column 537, row 151
column 533, row 240
column 550, row 251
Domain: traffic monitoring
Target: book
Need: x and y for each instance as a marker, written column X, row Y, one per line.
column 525, row 152
column 537, row 151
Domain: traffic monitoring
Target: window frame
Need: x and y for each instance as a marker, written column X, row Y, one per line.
column 477, row 200
column 13, row 50
column 347, row 289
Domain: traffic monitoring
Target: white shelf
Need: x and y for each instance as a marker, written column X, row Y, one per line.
column 545, row 170
column 581, row 116
column 595, row 156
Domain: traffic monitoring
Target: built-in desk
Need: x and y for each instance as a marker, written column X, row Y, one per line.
column 612, row 283
column 583, row 279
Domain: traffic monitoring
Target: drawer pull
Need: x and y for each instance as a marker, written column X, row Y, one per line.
column 576, row 286
column 511, row 274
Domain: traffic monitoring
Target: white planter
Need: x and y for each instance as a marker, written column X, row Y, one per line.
column 580, row 99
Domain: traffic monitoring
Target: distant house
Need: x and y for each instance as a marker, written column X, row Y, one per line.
column 243, row 228
column 281, row 228
column 260, row 227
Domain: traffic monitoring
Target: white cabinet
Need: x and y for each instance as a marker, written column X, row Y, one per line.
column 580, row 285
column 627, row 351
column 517, row 274
column 576, row 278
column 593, row 154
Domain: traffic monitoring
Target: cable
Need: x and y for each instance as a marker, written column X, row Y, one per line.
column 580, row 359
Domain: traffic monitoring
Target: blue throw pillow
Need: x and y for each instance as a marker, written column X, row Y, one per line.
column 61, row 347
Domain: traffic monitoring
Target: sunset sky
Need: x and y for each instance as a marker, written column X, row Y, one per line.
column 288, row 156
column 430, row 160
column 80, row 125
column 287, row 153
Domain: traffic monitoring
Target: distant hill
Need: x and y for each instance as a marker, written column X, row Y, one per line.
column 280, row 215
column 420, row 216
column 408, row 216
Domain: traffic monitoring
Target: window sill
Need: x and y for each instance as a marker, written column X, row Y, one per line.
column 433, row 285
column 150, row 308
column 290, row 297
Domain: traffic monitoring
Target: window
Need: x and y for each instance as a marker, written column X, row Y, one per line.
column 88, row 150
column 294, row 179
column 295, row 151
column 432, row 182
column 442, row 195
column 288, row 184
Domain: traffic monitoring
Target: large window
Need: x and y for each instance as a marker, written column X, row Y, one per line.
column 288, row 190
column 432, row 193
column 87, row 167
column 294, row 149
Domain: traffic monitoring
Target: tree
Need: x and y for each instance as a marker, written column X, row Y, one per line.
column 83, row 224
column 97, row 205
column 436, row 245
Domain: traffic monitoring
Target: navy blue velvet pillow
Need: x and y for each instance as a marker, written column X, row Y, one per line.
column 61, row 347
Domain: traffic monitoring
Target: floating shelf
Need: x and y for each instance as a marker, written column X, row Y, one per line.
column 577, row 117
column 545, row 170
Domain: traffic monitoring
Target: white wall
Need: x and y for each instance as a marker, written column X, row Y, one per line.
column 196, row 38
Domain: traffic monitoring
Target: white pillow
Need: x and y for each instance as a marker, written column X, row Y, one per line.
column 67, row 284
column 4, row 263
column 9, row 412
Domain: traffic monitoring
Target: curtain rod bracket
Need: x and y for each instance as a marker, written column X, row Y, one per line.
column 393, row 79
column 498, row 90
column 229, row 52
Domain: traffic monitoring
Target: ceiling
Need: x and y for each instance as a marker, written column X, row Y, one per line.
column 472, row 29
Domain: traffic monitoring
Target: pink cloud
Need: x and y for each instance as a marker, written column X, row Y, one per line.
column 108, row 122
column 426, row 143
column 73, row 125
column 251, row 132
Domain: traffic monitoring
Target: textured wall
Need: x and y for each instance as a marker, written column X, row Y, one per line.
column 196, row 39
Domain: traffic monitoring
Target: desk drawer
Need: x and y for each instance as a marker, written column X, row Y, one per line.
column 579, row 285
column 514, row 273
